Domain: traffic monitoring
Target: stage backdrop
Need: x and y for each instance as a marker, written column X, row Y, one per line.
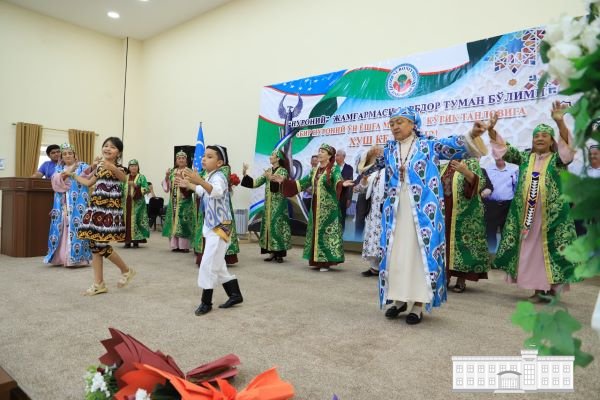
column 451, row 88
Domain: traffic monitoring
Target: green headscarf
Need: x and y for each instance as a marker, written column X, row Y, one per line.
column 543, row 128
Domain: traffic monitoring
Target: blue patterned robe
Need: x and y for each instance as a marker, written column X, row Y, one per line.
column 75, row 200
column 427, row 202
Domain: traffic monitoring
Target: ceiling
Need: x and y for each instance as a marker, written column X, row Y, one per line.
column 139, row 19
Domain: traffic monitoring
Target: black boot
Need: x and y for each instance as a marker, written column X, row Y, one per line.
column 233, row 291
column 206, row 304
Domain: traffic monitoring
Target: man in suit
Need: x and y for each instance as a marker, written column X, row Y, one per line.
column 347, row 173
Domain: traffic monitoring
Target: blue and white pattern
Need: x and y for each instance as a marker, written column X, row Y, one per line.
column 72, row 204
column 216, row 210
column 423, row 178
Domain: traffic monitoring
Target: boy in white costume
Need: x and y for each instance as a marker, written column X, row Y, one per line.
column 213, row 192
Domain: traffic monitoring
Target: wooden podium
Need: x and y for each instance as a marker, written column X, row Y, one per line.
column 26, row 205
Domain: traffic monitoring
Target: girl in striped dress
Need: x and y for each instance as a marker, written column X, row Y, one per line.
column 103, row 221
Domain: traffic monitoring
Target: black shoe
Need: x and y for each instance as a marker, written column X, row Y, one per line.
column 202, row 309
column 127, row 245
column 394, row 311
column 232, row 289
column 136, row 245
column 206, row 302
column 279, row 259
column 270, row 258
column 369, row 273
column 413, row 319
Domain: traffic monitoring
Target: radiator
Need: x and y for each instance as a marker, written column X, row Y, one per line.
column 241, row 220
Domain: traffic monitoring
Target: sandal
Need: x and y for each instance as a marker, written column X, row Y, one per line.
column 96, row 288
column 126, row 278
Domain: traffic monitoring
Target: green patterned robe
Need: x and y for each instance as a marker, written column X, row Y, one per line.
column 467, row 246
column 275, row 232
column 234, row 246
column 180, row 216
column 558, row 229
column 139, row 226
column 324, row 243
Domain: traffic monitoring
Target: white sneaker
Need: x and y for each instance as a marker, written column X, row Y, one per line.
column 323, row 269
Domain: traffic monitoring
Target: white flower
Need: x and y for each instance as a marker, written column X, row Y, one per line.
column 588, row 2
column 141, row 394
column 589, row 36
column 562, row 69
column 566, row 29
column 97, row 382
column 564, row 49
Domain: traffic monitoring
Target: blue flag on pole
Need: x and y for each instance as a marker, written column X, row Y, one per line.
column 199, row 152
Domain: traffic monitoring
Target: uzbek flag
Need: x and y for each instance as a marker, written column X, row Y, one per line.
column 199, row 152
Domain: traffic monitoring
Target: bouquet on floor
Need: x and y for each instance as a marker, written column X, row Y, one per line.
column 100, row 383
column 139, row 373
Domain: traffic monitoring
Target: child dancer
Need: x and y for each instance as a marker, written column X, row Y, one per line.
column 213, row 191
column 103, row 221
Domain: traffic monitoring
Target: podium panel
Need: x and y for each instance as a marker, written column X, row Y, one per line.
column 26, row 206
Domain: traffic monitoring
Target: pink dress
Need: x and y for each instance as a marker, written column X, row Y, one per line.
column 532, row 271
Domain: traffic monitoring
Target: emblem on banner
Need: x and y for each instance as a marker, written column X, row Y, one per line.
column 402, row 81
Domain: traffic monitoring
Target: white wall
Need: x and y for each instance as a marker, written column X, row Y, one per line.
column 212, row 68
column 57, row 75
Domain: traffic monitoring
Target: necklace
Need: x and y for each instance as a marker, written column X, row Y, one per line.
column 403, row 162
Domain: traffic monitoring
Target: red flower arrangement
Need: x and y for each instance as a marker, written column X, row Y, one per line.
column 137, row 368
column 234, row 180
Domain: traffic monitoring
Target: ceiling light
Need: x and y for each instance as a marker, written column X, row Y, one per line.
column 113, row 14
column 144, row 1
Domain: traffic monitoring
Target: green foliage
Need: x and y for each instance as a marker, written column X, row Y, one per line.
column 551, row 331
column 103, row 373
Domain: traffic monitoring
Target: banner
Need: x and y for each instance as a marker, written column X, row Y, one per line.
column 451, row 88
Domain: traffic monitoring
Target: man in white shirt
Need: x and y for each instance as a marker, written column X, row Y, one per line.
column 593, row 170
column 497, row 203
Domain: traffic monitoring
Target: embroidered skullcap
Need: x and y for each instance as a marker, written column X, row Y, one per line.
column 222, row 151
column 279, row 154
column 328, row 148
column 543, row 128
column 181, row 153
column 408, row 113
column 134, row 162
column 64, row 147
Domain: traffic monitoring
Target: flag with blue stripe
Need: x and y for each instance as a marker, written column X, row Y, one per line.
column 199, row 152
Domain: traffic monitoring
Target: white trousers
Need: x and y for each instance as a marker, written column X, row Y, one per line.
column 213, row 269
